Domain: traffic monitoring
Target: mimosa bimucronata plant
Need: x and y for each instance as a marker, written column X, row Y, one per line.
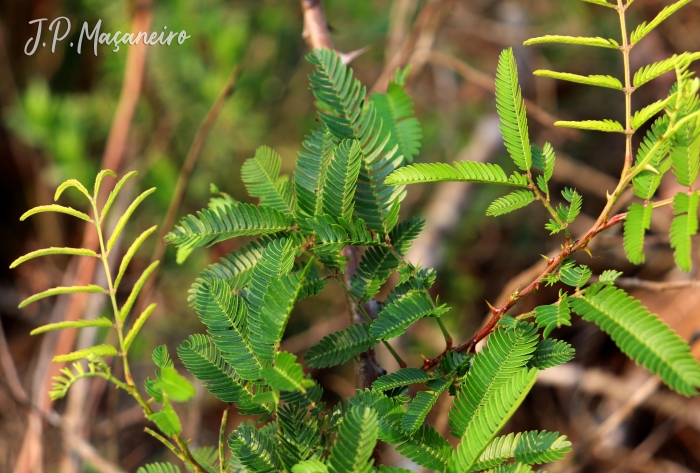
column 347, row 191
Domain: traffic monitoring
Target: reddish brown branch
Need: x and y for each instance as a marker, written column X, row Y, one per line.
column 498, row 312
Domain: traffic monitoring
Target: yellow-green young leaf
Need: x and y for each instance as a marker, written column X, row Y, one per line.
column 640, row 117
column 100, row 177
column 652, row 71
column 56, row 208
column 129, row 339
column 125, row 218
column 124, row 311
column 602, row 3
column 99, row 322
column 130, row 254
column 644, row 29
column 683, row 227
column 71, row 183
column 98, row 350
column 182, row 254
column 598, row 42
column 61, row 290
column 115, row 192
column 178, row 388
column 611, row 126
column 53, row 251
column 599, row 81
column 166, row 419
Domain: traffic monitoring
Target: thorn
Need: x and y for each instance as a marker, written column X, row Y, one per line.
column 607, row 194
column 588, row 252
column 494, row 311
column 651, row 168
column 423, row 357
column 546, row 258
column 347, row 58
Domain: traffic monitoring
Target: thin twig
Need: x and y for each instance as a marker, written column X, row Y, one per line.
column 429, row 18
column 657, row 286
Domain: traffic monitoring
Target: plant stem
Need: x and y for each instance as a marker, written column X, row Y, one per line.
column 222, row 443
column 185, row 455
column 366, row 316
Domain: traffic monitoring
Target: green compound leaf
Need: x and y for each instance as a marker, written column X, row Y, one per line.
column 177, row 387
column 575, row 276
column 581, row 41
column 158, row 468
column 402, row 377
column 644, row 29
column 511, row 110
column 508, row 203
column 310, row 466
column 261, row 176
column 398, row 315
column 611, row 126
column 647, row 181
column 90, row 288
column 348, row 116
column 553, row 316
column 357, row 436
column 377, row 263
column 642, row 336
column 530, row 448
column 53, row 251
column 636, row 223
column 543, row 159
column 286, row 374
column 551, row 352
column 255, row 450
column 599, row 81
column 489, row 417
column 229, row 221
column 312, row 165
column 505, row 357
column 460, row 171
column 417, row 410
column 395, row 110
column 427, row 448
column 683, row 227
column 87, row 353
column 339, row 347
column 55, row 208
column 203, row 359
column 568, row 214
column 341, row 180
column 98, row 322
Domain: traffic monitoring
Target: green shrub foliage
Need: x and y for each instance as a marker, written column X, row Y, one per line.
column 347, row 190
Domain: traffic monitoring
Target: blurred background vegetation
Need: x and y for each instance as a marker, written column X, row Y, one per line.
column 56, row 110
